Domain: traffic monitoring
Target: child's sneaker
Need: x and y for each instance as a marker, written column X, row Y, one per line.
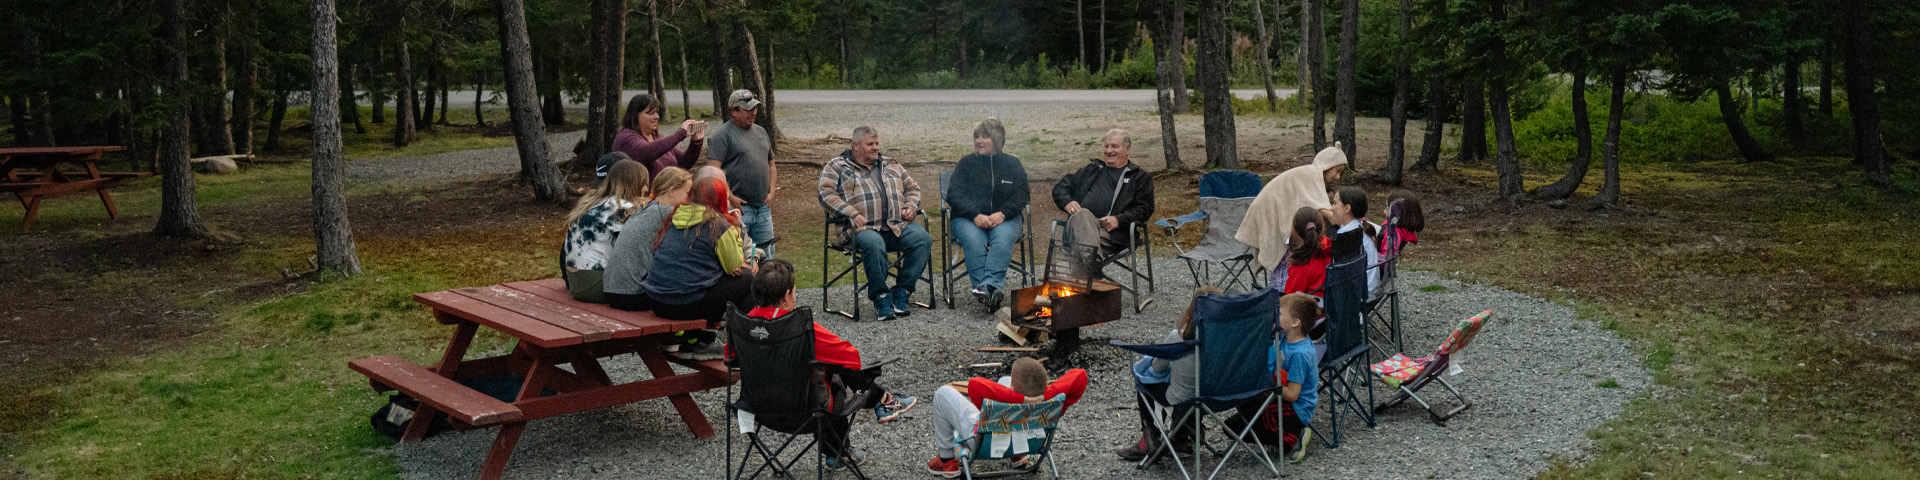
column 1300, row 451
column 835, row 464
column 701, row 352
column 892, row 406
column 948, row 467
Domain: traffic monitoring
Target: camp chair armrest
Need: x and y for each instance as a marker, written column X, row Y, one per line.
column 1165, row 351
column 1180, row 221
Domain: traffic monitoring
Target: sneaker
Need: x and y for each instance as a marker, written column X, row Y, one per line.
column 701, row 352
column 994, row 298
column 1299, row 452
column 1135, row 451
column 835, row 464
column 948, row 467
column 892, row 406
column 1024, row 462
column 883, row 308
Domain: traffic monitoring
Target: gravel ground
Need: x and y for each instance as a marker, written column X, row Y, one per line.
column 454, row 165
column 1534, row 376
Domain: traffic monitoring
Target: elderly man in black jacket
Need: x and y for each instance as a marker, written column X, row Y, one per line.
column 1105, row 199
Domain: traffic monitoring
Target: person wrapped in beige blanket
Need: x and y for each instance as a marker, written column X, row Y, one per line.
column 1269, row 220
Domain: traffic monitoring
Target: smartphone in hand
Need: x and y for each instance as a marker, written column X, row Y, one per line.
column 698, row 128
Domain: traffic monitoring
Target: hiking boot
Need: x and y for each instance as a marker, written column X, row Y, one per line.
column 835, row 464
column 891, row 406
column 1135, row 451
column 1299, row 451
column 994, row 298
column 945, row 467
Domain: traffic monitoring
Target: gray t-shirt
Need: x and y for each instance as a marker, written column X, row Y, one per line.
column 743, row 153
column 632, row 253
column 1186, row 372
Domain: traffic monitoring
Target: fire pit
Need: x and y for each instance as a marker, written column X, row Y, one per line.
column 1060, row 309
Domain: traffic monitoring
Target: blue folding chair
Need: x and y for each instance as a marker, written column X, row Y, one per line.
column 1344, row 380
column 1224, row 198
column 1011, row 430
column 1235, row 338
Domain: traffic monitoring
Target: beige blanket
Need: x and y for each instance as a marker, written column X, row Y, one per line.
column 1269, row 220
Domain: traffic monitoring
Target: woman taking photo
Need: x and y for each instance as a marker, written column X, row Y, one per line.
column 640, row 138
column 988, row 194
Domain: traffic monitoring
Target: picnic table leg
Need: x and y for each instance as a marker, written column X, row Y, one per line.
column 107, row 198
column 585, row 365
column 656, row 361
column 496, row 462
column 33, row 212
column 449, row 365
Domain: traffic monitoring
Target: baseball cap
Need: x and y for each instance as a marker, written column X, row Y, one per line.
column 606, row 163
column 743, row 99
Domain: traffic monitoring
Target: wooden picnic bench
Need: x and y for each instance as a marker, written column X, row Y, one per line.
column 32, row 174
column 552, row 329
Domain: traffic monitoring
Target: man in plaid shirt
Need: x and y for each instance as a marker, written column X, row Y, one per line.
column 882, row 201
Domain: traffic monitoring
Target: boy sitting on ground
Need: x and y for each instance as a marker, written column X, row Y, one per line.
column 956, row 410
column 773, row 288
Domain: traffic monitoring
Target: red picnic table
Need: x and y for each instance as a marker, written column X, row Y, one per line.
column 34, row 173
column 552, row 329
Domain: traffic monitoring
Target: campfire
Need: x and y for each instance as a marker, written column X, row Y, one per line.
column 1058, row 310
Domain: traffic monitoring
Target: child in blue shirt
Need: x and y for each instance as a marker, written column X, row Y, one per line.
column 1299, row 375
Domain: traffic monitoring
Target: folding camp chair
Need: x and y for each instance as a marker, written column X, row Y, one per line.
column 832, row 240
column 1344, row 383
column 1383, row 303
column 1011, row 430
column 1136, row 259
column 1233, row 336
column 779, row 390
column 1224, row 198
column 954, row 264
column 1411, row 374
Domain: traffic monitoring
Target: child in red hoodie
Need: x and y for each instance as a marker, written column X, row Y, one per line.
column 955, row 411
column 773, row 287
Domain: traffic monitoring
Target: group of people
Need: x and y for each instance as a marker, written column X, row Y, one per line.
column 687, row 232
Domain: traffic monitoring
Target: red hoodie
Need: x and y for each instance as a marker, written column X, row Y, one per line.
column 827, row 347
column 1073, row 383
column 1310, row 276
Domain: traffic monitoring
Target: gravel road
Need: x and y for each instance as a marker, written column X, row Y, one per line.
column 1539, row 378
column 454, row 165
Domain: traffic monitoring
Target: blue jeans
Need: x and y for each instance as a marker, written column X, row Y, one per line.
column 988, row 252
column 758, row 223
column 914, row 246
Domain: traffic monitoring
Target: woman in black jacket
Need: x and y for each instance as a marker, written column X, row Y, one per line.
column 987, row 195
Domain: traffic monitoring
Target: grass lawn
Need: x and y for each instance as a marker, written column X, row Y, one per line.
column 1773, row 303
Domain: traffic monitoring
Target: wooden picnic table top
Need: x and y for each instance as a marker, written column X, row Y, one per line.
column 79, row 150
column 543, row 312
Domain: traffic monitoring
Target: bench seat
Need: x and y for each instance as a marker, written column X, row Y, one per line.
column 458, row 401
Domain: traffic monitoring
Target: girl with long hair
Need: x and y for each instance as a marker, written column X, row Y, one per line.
column 700, row 265
column 593, row 223
column 632, row 254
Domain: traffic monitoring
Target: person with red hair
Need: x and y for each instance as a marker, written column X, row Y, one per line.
column 700, row 265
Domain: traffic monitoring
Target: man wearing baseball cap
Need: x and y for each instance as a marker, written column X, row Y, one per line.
column 745, row 152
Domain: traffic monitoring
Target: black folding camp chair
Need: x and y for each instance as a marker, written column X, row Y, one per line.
column 1136, row 259
column 953, row 263
column 834, row 239
column 1224, row 198
column 780, row 390
column 1234, row 335
column 1344, row 380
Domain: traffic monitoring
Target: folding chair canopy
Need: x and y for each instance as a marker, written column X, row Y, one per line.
column 775, row 357
column 1235, row 332
column 1026, row 423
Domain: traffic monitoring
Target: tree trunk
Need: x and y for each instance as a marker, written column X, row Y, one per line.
column 1438, row 104
column 403, row 91
column 686, row 99
column 274, row 119
column 1473, row 121
column 249, row 85
column 1080, row 30
column 1304, row 86
column 41, row 104
column 1266, row 64
column 598, row 43
column 445, row 103
column 1216, row 56
column 349, row 108
column 1826, row 77
column 1791, row 104
column 773, row 125
column 1344, row 99
column 332, row 234
column 1101, row 46
column 1730, row 114
column 375, row 95
column 554, row 107
column 1163, row 73
column 480, row 99
column 614, row 83
column 753, row 78
column 1862, row 102
column 17, row 108
column 1507, row 159
column 1402, row 86
column 535, row 169
column 657, row 79
column 717, row 57
column 425, row 122
column 1317, row 53
column 1610, row 147
column 963, row 58
column 178, row 215
column 1179, row 31
column 217, row 116
column 1583, row 138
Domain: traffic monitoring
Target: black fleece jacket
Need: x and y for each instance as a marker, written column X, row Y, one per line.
column 984, row 184
column 1132, row 204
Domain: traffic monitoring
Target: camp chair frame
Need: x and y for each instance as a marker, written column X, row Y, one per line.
column 1135, row 258
column 953, row 263
column 1383, row 304
column 977, row 445
column 1237, row 323
column 795, row 343
column 1433, row 369
column 1345, row 385
column 1215, row 186
column 856, row 266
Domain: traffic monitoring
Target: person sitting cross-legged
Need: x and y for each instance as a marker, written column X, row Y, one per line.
column 1104, row 199
column 773, row 291
column 956, row 410
column 881, row 201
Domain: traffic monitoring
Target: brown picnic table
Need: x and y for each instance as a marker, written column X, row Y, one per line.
column 552, row 329
column 32, row 174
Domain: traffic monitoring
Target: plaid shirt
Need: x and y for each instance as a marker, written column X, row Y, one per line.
column 847, row 188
